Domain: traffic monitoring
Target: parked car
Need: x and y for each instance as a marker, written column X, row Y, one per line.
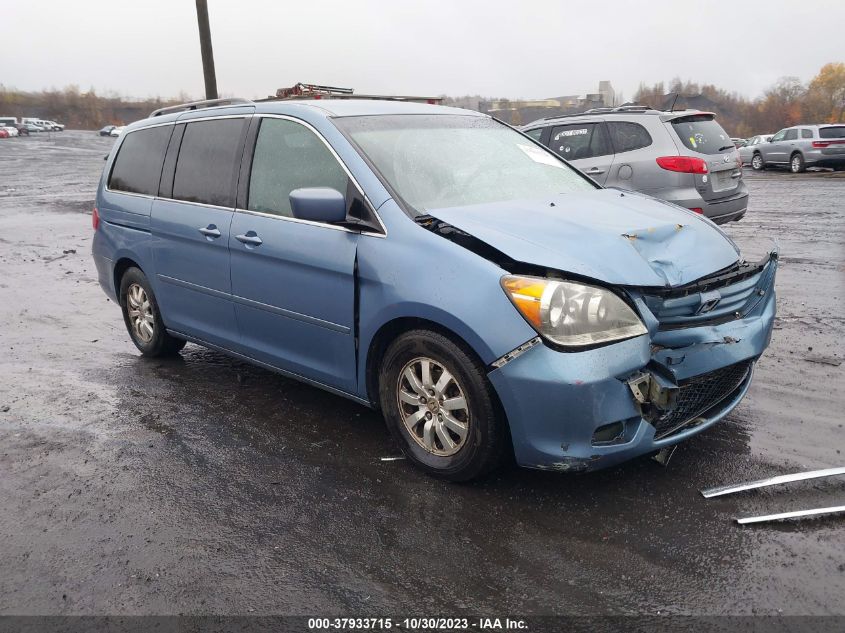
column 803, row 146
column 437, row 265
column 683, row 157
column 11, row 130
column 4, row 133
column 116, row 130
column 106, row 131
column 23, row 129
column 747, row 151
column 7, row 121
column 32, row 127
column 739, row 142
column 52, row 126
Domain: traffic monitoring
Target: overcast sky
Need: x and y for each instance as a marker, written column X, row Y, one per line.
column 509, row 48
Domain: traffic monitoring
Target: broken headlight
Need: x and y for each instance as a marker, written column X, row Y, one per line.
column 572, row 314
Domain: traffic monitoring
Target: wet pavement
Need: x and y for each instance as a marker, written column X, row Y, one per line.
column 205, row 485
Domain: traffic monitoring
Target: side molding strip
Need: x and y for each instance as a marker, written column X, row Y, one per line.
column 791, row 515
column 771, row 481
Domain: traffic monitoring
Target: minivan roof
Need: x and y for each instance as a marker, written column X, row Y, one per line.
column 364, row 107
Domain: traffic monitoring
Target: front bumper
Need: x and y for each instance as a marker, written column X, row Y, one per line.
column 556, row 401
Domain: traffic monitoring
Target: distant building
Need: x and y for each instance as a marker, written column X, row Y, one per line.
column 522, row 111
column 608, row 94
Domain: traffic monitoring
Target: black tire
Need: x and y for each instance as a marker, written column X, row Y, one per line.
column 487, row 439
column 160, row 343
column 757, row 163
column 796, row 164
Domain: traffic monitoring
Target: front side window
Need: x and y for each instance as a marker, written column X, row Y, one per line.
column 208, row 161
column 440, row 161
column 535, row 133
column 137, row 167
column 779, row 136
column 289, row 156
column 628, row 136
column 584, row 140
column 791, row 135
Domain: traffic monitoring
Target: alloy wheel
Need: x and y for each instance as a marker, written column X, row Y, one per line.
column 140, row 313
column 757, row 161
column 433, row 407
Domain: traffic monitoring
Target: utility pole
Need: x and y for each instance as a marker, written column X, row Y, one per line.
column 207, row 52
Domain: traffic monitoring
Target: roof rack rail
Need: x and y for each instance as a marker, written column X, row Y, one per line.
column 196, row 105
column 629, row 107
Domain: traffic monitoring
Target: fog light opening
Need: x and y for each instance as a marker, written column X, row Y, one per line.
column 608, row 433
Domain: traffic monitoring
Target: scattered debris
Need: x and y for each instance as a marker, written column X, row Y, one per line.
column 5, row 408
column 663, row 456
column 791, row 515
column 771, row 481
column 824, row 360
column 392, row 459
column 70, row 251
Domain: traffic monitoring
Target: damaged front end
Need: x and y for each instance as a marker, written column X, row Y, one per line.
column 590, row 409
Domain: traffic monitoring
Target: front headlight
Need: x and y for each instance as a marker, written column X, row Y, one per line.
column 572, row 314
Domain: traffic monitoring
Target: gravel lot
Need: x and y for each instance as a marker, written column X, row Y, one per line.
column 204, row 485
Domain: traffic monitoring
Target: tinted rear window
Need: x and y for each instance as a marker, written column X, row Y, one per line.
column 628, row 136
column 208, row 159
column 702, row 134
column 137, row 168
column 832, row 132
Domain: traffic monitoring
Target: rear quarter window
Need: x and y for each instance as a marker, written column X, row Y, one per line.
column 832, row 132
column 137, row 167
column 627, row 136
column 702, row 134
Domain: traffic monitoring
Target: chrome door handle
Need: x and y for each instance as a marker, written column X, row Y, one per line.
column 210, row 231
column 594, row 170
column 250, row 239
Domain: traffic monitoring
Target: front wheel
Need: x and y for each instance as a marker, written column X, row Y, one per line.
column 796, row 164
column 757, row 163
column 440, row 407
column 142, row 316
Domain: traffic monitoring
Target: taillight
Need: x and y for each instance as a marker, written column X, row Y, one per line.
column 95, row 219
column 683, row 164
column 697, row 210
column 821, row 144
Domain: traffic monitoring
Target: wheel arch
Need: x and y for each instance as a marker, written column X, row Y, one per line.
column 120, row 267
column 393, row 329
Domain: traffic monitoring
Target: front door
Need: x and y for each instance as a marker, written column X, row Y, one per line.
column 293, row 282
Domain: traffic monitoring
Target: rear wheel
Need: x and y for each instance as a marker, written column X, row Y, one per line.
column 440, row 407
column 757, row 163
column 142, row 316
column 796, row 164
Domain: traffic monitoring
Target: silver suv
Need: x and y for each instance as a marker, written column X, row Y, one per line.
column 803, row 146
column 683, row 157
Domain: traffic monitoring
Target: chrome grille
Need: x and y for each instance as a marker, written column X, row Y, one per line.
column 683, row 311
column 698, row 394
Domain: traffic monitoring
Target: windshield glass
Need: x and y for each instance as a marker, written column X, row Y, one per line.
column 439, row 161
column 702, row 134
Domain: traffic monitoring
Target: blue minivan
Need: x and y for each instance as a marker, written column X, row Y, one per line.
column 435, row 264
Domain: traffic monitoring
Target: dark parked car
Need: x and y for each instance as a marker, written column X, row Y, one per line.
column 106, row 131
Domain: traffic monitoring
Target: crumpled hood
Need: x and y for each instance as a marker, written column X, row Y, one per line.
column 619, row 238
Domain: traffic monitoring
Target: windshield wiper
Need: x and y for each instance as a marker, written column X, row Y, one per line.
column 722, row 149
